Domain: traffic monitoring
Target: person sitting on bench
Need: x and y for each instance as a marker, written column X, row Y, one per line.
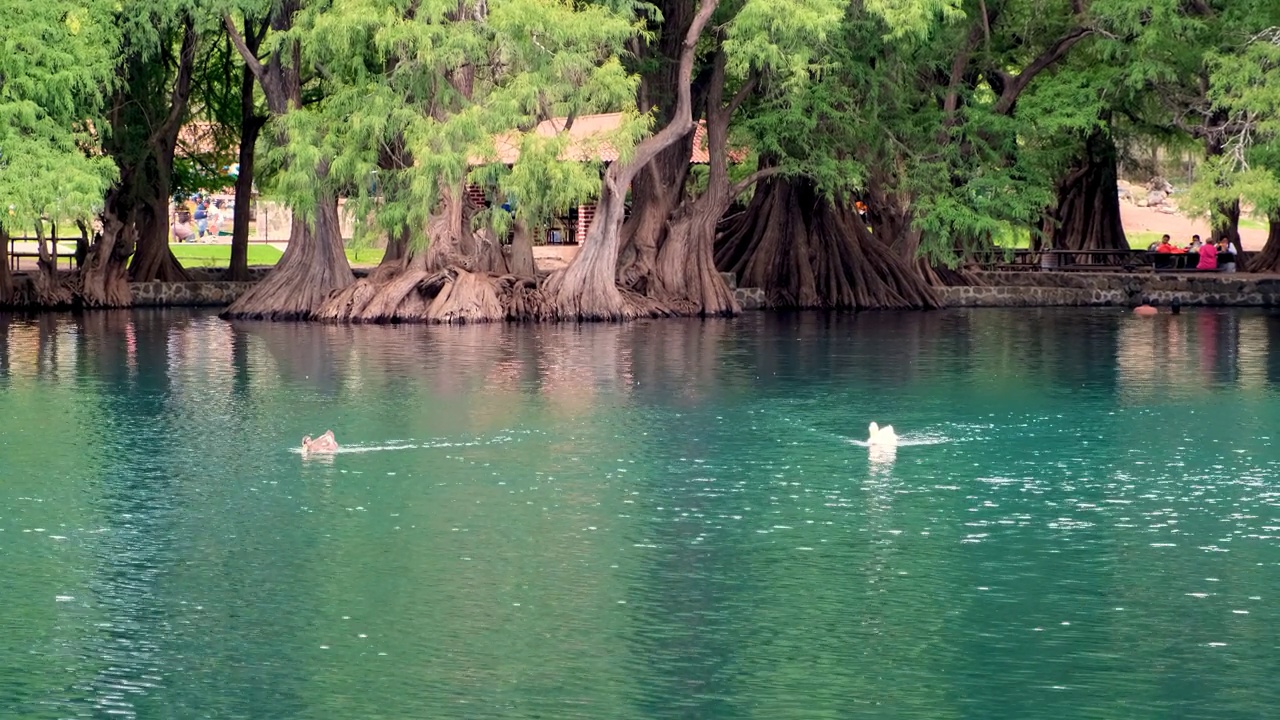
column 1208, row 257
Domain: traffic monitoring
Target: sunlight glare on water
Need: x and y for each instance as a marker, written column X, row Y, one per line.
column 655, row 520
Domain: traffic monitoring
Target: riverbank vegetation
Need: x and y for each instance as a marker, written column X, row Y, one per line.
column 849, row 153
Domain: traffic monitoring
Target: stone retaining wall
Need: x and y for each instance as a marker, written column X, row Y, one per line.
column 1001, row 289
column 207, row 293
column 1029, row 289
column 256, row 272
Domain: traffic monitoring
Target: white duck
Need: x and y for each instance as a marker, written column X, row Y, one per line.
column 881, row 436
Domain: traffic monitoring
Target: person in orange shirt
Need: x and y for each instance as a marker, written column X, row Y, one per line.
column 1165, row 246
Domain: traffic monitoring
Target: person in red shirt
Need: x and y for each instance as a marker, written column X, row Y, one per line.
column 1165, row 246
column 1208, row 257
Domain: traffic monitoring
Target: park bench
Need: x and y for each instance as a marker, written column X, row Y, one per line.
column 1182, row 262
column 1093, row 260
column 1063, row 260
column 31, row 249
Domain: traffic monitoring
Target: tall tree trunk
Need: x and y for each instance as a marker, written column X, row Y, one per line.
column 686, row 268
column 1226, row 217
column 1267, row 261
column 658, row 190
column 520, row 260
column 461, row 275
column 104, row 279
column 238, row 269
column 587, row 289
column 314, row 264
column 251, row 124
column 50, row 291
column 806, row 251
column 6, row 280
column 153, row 260
column 1226, row 226
column 1087, row 216
column 145, row 120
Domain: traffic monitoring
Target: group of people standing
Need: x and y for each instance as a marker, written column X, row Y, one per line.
column 196, row 217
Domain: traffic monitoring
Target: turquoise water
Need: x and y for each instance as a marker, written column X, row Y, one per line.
column 658, row 520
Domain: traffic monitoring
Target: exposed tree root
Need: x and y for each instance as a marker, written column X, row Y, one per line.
column 1268, row 259
column 450, row 296
column 805, row 251
column 104, row 278
column 947, row 277
column 314, row 265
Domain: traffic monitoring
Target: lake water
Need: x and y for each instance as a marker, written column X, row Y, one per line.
column 658, row 520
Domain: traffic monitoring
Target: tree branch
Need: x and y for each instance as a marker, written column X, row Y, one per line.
column 250, row 57
column 1014, row 86
column 755, row 177
column 743, row 92
column 682, row 119
column 168, row 130
column 951, row 102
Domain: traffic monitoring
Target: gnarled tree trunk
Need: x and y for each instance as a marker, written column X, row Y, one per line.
column 1226, row 226
column 1268, row 260
column 805, row 251
column 314, row 264
column 397, row 248
column 655, row 194
column 687, row 276
column 520, row 258
column 104, row 280
column 152, row 260
column 460, row 278
column 1087, row 216
column 587, row 289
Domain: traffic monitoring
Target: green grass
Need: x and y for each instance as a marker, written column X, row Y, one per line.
column 220, row 255
column 1022, row 240
column 364, row 256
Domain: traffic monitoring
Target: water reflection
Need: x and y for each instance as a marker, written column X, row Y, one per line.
column 659, row 519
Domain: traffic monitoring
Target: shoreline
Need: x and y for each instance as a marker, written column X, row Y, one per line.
column 992, row 289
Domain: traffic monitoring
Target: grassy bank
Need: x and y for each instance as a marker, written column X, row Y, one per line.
column 202, row 256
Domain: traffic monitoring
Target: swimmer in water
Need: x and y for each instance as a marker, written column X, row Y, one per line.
column 323, row 444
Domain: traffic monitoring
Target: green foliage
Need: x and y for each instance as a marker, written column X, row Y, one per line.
column 1245, row 89
column 417, row 101
column 56, row 65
